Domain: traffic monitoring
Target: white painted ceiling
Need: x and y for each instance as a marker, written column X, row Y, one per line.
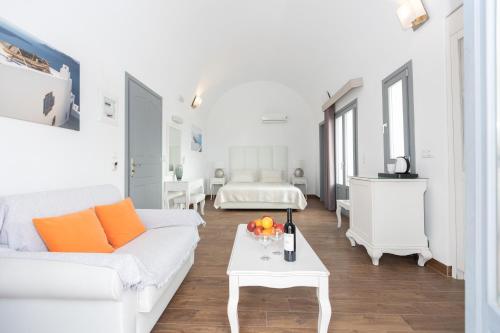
column 293, row 42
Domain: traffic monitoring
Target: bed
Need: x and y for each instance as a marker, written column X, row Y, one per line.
column 260, row 195
column 258, row 180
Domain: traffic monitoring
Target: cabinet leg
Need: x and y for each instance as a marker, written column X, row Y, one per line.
column 351, row 239
column 424, row 256
column 339, row 217
column 375, row 255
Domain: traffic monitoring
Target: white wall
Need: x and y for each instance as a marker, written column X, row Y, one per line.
column 107, row 39
column 235, row 120
column 382, row 54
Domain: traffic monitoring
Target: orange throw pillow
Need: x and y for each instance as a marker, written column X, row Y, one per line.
column 76, row 232
column 120, row 222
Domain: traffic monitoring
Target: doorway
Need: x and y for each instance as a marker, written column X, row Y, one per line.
column 143, row 144
column 346, row 161
column 455, row 59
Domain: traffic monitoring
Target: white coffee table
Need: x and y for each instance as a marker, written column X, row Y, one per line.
column 247, row 269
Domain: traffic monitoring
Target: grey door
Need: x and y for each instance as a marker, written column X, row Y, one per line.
column 143, row 140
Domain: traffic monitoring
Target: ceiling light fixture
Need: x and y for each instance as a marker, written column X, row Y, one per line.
column 412, row 14
column 196, row 102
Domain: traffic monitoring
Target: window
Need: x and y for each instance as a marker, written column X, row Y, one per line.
column 339, row 150
column 398, row 116
column 345, row 147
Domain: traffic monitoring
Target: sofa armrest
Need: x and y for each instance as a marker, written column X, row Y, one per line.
column 159, row 218
column 43, row 279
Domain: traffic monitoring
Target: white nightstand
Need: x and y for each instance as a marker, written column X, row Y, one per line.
column 215, row 181
column 297, row 181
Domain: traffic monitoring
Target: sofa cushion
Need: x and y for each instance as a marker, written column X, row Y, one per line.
column 163, row 252
column 120, row 222
column 75, row 232
column 19, row 210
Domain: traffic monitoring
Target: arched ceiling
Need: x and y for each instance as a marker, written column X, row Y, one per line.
column 293, row 42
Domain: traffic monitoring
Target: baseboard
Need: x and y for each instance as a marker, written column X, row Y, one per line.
column 439, row 267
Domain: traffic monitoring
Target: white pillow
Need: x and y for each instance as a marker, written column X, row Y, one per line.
column 271, row 176
column 243, row 176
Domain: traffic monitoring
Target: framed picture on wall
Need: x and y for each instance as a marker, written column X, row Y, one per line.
column 196, row 139
column 37, row 83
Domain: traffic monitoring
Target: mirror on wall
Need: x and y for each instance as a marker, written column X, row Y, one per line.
column 174, row 144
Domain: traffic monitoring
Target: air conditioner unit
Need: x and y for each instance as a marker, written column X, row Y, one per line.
column 274, row 118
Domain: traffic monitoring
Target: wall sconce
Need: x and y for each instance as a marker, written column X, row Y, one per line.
column 196, row 101
column 412, row 14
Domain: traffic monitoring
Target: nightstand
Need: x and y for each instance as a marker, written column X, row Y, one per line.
column 213, row 182
column 297, row 181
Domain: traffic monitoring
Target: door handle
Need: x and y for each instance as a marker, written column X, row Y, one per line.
column 132, row 167
column 384, row 126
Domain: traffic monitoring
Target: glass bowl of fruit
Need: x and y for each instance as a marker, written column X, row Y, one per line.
column 266, row 231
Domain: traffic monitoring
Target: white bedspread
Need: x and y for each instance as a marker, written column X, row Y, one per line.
column 150, row 259
column 280, row 193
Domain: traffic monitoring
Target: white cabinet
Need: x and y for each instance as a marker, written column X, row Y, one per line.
column 387, row 216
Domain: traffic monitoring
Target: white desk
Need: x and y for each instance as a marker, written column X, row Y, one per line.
column 247, row 269
column 184, row 186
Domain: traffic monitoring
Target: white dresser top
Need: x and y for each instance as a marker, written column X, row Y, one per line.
column 376, row 179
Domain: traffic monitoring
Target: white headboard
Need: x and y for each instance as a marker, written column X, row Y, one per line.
column 259, row 158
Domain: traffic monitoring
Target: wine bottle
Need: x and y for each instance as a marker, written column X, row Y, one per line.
column 290, row 243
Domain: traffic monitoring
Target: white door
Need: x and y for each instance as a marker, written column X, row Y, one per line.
column 456, row 99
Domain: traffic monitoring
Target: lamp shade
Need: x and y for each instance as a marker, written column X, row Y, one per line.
column 405, row 14
column 412, row 14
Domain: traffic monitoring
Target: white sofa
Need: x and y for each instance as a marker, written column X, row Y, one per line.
column 53, row 296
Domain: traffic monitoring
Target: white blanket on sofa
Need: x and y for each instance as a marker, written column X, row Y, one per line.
column 150, row 259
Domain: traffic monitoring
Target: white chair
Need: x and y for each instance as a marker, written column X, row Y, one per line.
column 195, row 198
column 346, row 204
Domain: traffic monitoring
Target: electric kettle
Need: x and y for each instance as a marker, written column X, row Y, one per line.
column 402, row 165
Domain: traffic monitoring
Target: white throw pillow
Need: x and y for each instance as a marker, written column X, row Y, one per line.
column 243, row 176
column 271, row 176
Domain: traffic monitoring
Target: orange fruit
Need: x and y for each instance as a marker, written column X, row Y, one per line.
column 258, row 223
column 267, row 232
column 267, row 222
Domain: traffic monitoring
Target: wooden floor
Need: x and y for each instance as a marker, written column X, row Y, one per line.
column 395, row 297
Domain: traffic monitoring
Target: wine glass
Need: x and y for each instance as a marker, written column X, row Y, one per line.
column 265, row 241
column 277, row 237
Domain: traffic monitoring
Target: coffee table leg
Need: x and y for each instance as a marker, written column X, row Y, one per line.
column 232, row 304
column 325, row 310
